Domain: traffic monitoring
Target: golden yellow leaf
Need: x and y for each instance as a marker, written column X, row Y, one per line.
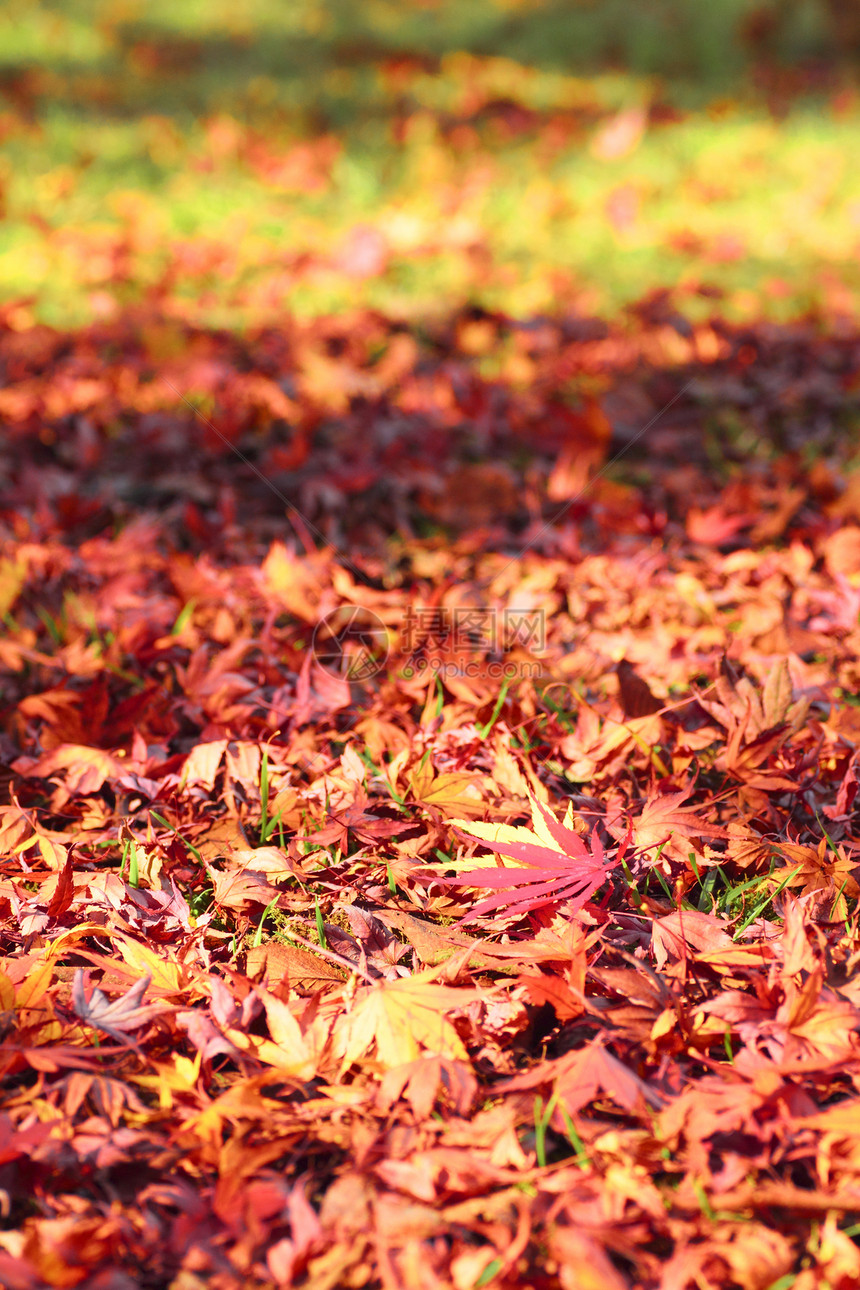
column 449, row 791
column 289, row 1049
column 402, row 1019
column 7, row 993
column 13, row 575
column 288, row 579
column 166, row 975
column 35, row 985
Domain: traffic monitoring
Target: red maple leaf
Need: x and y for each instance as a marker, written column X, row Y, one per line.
column 570, row 870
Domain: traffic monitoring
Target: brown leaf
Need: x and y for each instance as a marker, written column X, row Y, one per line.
column 278, row 964
column 636, row 697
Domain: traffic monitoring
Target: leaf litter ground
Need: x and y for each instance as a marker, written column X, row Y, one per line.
column 523, row 954
column 428, row 718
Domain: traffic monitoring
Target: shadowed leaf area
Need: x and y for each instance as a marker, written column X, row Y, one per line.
column 429, row 684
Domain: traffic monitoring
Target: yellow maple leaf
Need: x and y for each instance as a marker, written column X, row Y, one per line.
column 448, row 791
column 290, row 1049
column 402, row 1019
column 516, row 833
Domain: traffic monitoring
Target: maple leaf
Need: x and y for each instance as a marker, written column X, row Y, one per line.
column 13, row 576
column 240, row 888
column 276, row 962
column 809, row 1019
column 581, row 1076
column 820, row 869
column 371, row 948
column 687, row 929
column 291, row 1049
column 423, row 1081
column 753, row 1256
column 17, row 1143
column 662, row 817
column 353, row 816
column 15, row 826
column 64, row 891
column 86, row 768
column 591, row 745
column 819, row 1019
column 201, row 764
column 636, row 697
column 401, row 1019
column 434, row 945
column 583, row 1262
column 750, row 710
column 117, row 1019
column 448, row 791
column 555, row 864
column 554, row 990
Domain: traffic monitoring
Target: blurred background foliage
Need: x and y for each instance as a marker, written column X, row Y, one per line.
column 242, row 160
column 222, row 44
